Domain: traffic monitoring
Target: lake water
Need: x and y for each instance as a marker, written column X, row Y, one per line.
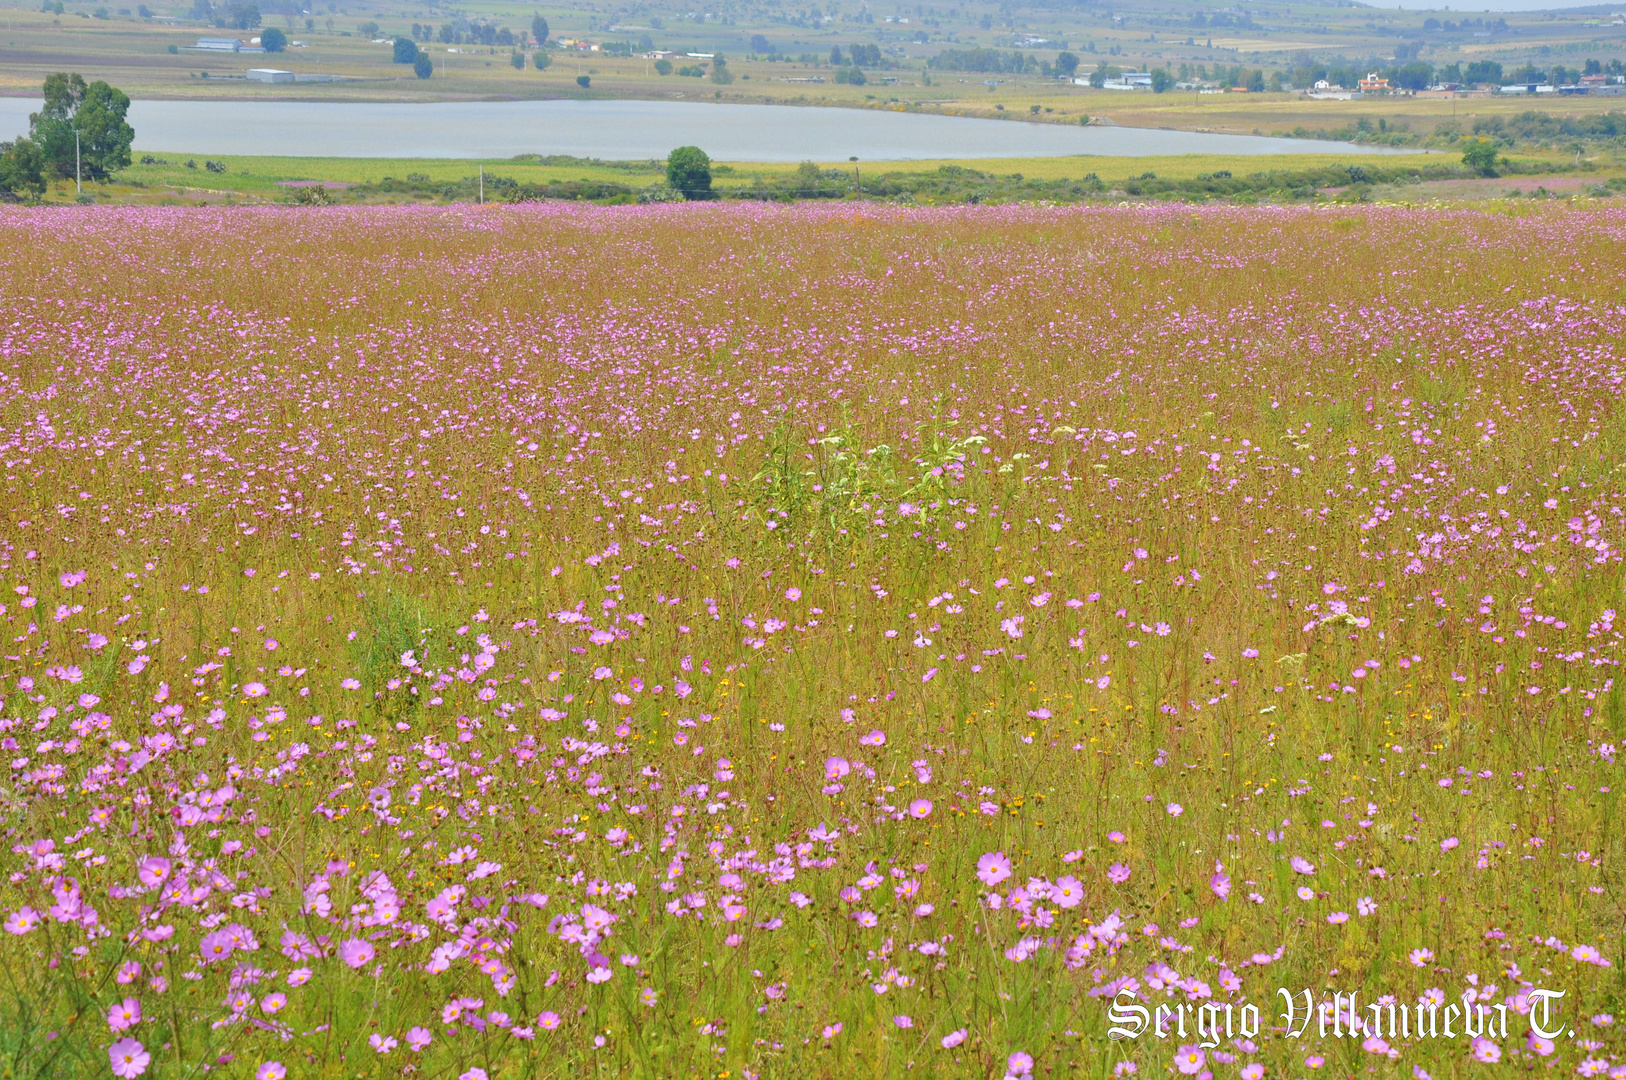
column 634, row 130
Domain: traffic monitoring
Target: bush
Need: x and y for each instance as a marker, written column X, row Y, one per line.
column 688, row 170
column 423, row 67
column 22, row 170
column 584, row 81
column 663, row 67
column 1480, row 156
column 541, row 60
column 517, row 59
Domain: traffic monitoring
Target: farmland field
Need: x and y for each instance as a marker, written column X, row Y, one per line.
column 537, row 641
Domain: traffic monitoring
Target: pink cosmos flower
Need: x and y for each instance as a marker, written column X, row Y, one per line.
column 1117, row 873
column 874, row 738
column 22, row 921
column 270, row 1070
column 835, row 768
column 1019, row 1064
column 1486, row 1051
column 418, row 1038
column 152, row 871
column 1189, row 1060
column 920, row 808
column 1254, row 1071
column 382, row 1043
column 832, row 1030
column 547, row 1020
column 125, row 1015
column 953, row 1039
column 1220, row 883
column 356, row 952
column 475, row 1073
column 903, row 1022
column 215, row 946
column 1068, row 892
column 129, row 1058
column 273, row 1003
column 993, row 868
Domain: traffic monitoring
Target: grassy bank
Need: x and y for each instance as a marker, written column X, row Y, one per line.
column 171, row 177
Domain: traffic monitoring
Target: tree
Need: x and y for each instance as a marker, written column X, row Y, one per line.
column 1417, row 75
column 1161, row 81
column 368, row 29
column 688, row 170
column 542, row 60
column 1256, row 82
column 1067, row 65
column 719, row 71
column 422, row 66
column 1480, row 155
column 835, row 56
column 273, row 40
column 663, row 67
column 406, row 50
column 759, row 44
column 539, row 29
column 518, row 60
column 1482, row 71
column 22, row 170
column 96, row 111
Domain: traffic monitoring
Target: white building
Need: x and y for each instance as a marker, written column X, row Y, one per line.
column 268, row 75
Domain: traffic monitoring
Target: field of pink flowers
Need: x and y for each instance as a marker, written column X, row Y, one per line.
column 811, row 642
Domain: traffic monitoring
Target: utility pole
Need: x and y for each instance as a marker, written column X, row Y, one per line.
column 482, row 185
column 78, row 187
column 854, row 160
